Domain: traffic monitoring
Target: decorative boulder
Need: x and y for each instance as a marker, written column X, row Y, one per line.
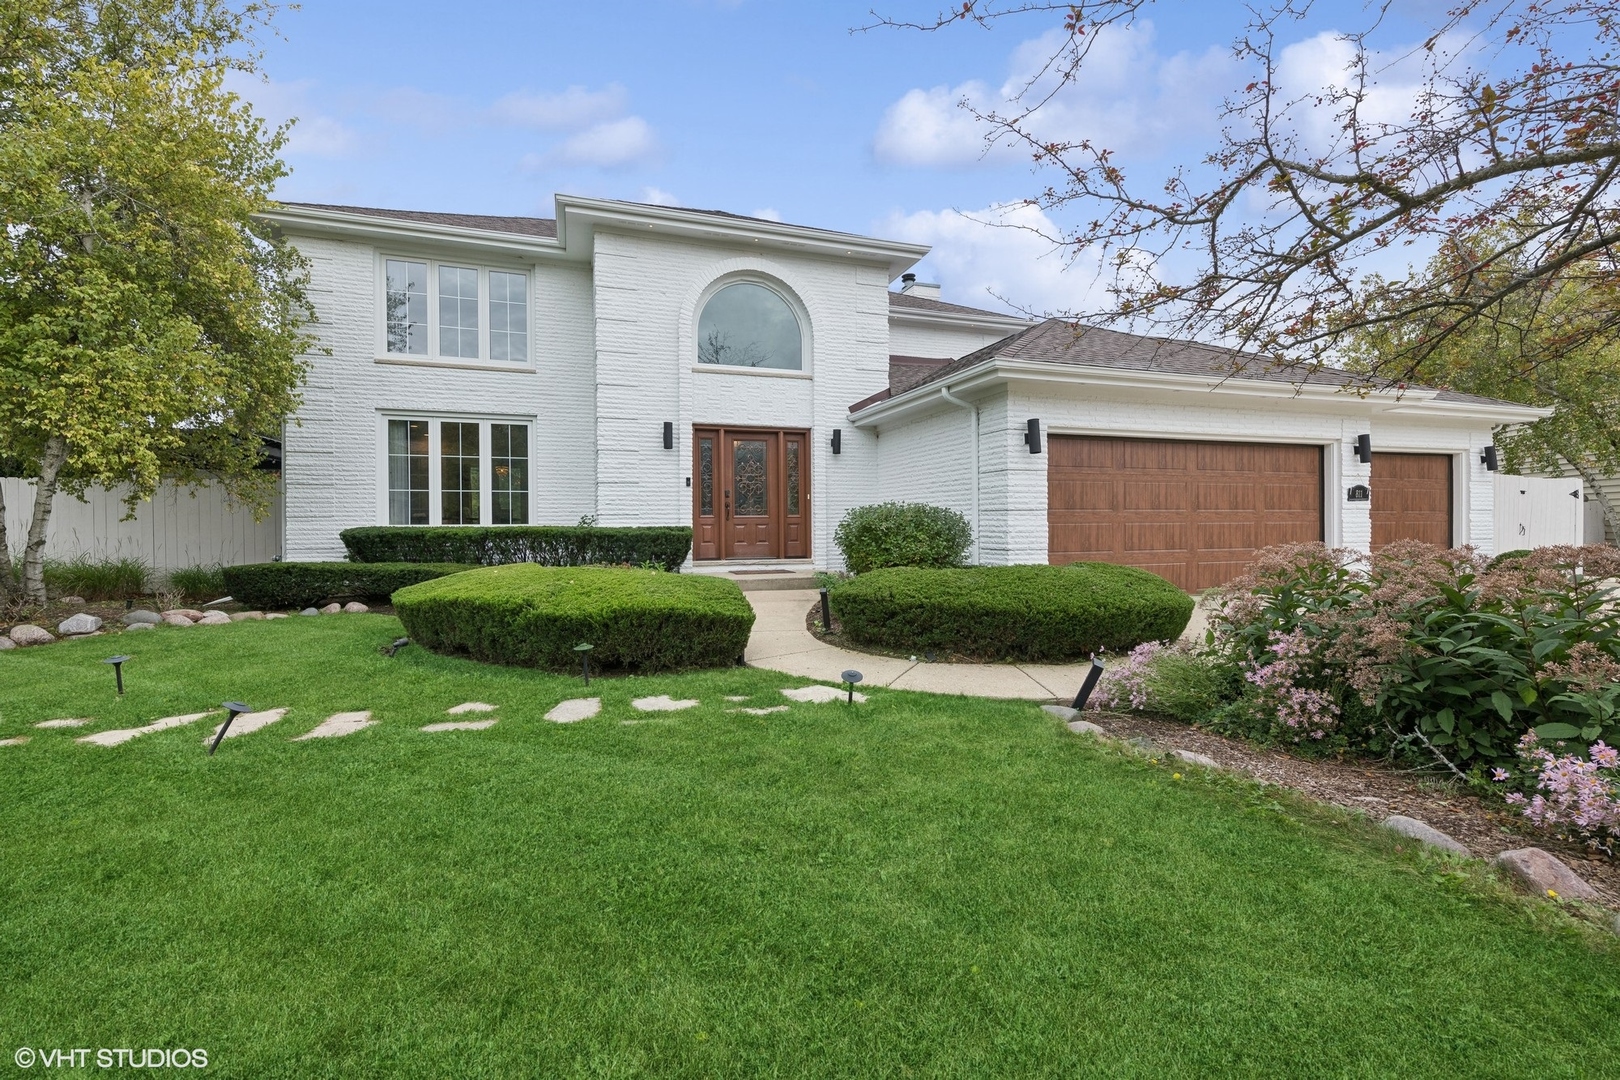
column 309, row 611
column 139, row 626
column 176, row 620
column 191, row 613
column 140, row 616
column 1193, row 757
column 82, row 623
column 1062, row 712
column 214, row 618
column 331, row 609
column 1542, row 873
column 72, row 601
column 6, row 643
column 354, row 607
column 1086, row 727
column 1424, row 833
column 276, row 615
column 29, row 634
column 246, row 616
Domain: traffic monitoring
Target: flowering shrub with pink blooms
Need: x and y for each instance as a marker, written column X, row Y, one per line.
column 1416, row 650
column 1577, row 798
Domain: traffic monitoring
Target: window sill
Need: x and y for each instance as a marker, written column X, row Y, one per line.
column 521, row 367
column 768, row 373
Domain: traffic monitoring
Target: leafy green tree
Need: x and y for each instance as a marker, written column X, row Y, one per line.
column 150, row 326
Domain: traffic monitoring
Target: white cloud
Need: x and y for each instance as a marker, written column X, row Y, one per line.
column 1001, row 251
column 570, row 110
column 613, row 144
column 313, row 133
column 658, row 196
column 767, row 214
column 929, row 127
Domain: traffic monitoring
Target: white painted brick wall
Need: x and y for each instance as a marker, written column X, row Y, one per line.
column 911, row 339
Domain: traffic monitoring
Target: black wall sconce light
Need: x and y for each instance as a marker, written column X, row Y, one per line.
column 1490, row 460
column 1032, row 435
column 669, row 435
column 838, row 441
column 1364, row 449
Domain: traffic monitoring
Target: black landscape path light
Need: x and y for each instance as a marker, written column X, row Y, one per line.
column 399, row 643
column 826, row 613
column 118, row 663
column 851, row 677
column 584, row 650
column 1089, row 685
column 236, row 708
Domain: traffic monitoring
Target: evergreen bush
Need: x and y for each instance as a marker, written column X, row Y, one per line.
column 547, row 545
column 301, row 585
column 902, row 534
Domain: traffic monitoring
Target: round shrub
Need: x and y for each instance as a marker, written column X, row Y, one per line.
column 902, row 534
column 641, row 620
column 1030, row 613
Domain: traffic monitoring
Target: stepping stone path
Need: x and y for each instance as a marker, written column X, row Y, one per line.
column 338, row 725
column 1542, row 873
column 1424, row 833
column 248, row 723
column 460, row 725
column 764, row 712
column 61, row 723
column 15, row 740
column 29, row 634
column 821, row 693
column 736, row 697
column 123, row 735
column 575, row 709
column 82, row 623
column 662, row 703
column 470, row 706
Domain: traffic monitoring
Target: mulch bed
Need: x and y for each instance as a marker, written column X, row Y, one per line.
column 1377, row 789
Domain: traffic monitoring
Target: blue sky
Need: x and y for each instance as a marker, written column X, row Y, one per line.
column 756, row 107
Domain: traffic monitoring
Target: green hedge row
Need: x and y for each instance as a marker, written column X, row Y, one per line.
column 1029, row 613
column 641, row 620
column 547, row 545
column 300, row 585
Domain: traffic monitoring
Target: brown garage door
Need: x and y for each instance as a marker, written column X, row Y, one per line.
column 1411, row 498
column 1194, row 512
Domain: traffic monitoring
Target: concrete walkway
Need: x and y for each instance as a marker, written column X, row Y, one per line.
column 781, row 643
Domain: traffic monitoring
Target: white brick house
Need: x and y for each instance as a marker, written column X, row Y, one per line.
column 650, row 365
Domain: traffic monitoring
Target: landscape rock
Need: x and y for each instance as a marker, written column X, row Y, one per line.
column 471, row 706
column 276, row 615
column 459, row 725
column 309, row 611
column 1424, row 833
column 244, row 616
column 82, row 623
column 820, row 693
column 575, row 709
column 140, row 616
column 1192, row 757
column 191, row 613
column 1086, row 727
column 6, row 643
column 1062, row 712
column 331, row 609
column 1541, row 872
column 354, row 607
column 1145, row 745
column 176, row 620
column 29, row 634
column 214, row 618
column 69, row 601
column 339, row 725
column 139, row 626
column 662, row 703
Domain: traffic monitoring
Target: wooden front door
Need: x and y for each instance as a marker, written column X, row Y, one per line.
column 750, row 494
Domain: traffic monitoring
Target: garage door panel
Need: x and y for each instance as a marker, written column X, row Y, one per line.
column 1194, row 512
column 1411, row 499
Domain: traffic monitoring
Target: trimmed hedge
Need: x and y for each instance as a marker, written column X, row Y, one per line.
column 1029, row 613
column 640, row 620
column 301, row 585
column 547, row 545
column 902, row 534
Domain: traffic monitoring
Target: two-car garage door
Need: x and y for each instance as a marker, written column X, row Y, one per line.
column 1196, row 512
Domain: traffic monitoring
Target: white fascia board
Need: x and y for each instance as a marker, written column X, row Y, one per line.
column 958, row 320
column 577, row 215
column 308, row 222
column 1408, row 402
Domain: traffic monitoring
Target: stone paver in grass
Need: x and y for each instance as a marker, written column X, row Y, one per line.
column 460, row 725
column 820, row 693
column 338, row 725
column 574, row 710
column 736, row 697
column 123, row 735
column 247, row 723
column 15, row 740
column 663, row 703
column 471, row 706
column 765, row 712
column 64, row 722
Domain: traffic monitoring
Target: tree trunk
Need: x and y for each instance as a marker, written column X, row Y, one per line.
column 1609, row 516
column 5, row 551
column 50, row 467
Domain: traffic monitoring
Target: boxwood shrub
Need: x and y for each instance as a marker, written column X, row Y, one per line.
column 902, row 534
column 639, row 620
column 547, row 545
column 1029, row 613
column 299, row 585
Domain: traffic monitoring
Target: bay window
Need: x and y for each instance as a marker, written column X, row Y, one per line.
column 435, row 310
column 457, row 471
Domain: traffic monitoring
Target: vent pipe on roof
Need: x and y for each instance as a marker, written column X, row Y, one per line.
column 928, row 290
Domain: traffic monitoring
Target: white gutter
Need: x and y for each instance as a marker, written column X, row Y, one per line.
column 945, row 395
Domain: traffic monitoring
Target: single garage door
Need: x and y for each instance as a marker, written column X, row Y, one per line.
column 1194, row 512
column 1411, row 498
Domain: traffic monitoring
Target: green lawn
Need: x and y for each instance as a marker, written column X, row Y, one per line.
column 920, row 886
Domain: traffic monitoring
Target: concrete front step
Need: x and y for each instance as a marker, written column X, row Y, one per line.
column 764, row 578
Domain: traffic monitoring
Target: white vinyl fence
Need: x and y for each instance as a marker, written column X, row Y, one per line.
column 171, row 531
column 1535, row 511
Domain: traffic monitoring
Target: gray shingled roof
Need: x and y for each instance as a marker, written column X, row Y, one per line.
column 1058, row 341
column 906, row 301
column 523, row 226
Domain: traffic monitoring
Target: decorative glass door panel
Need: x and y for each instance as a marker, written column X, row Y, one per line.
column 751, row 495
column 750, row 526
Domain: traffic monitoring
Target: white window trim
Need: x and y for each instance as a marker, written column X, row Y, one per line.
column 432, row 358
column 486, row 474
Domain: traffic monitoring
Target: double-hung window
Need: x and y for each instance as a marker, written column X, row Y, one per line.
column 450, row 311
column 457, row 471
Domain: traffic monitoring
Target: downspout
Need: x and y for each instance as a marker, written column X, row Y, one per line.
column 945, row 395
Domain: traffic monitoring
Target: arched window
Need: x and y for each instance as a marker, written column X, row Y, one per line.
column 748, row 325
